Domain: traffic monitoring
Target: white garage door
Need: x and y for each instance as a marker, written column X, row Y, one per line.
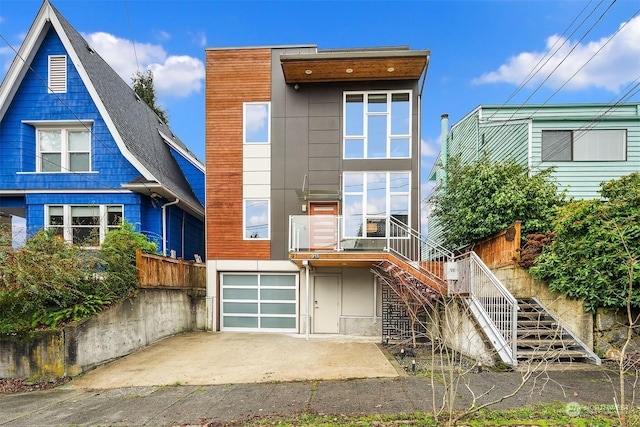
column 259, row 302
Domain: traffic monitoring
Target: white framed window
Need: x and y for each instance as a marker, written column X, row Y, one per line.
column 584, row 145
column 372, row 197
column 377, row 125
column 84, row 225
column 256, row 223
column 63, row 149
column 57, row 74
column 256, row 123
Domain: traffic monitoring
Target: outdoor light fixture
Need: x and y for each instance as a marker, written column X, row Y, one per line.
column 296, row 87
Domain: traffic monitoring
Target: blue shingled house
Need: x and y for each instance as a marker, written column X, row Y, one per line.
column 80, row 152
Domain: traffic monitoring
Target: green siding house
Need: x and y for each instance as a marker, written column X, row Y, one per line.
column 586, row 144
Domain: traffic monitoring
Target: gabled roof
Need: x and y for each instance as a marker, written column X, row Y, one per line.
column 141, row 136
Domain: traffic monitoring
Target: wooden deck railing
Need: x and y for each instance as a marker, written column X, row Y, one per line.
column 156, row 271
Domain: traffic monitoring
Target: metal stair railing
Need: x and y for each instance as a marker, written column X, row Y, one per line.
column 491, row 303
column 415, row 249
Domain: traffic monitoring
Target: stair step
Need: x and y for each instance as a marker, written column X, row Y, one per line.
column 537, row 332
column 550, row 354
column 536, row 323
column 546, row 342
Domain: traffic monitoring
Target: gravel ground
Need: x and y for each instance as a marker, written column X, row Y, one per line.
column 12, row 385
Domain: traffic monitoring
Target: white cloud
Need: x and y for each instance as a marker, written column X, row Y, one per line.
column 612, row 68
column 177, row 76
column 429, row 149
column 199, row 38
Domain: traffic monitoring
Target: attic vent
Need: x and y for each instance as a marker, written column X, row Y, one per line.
column 57, row 74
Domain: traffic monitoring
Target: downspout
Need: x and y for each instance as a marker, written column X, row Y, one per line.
column 444, row 150
column 164, row 225
column 305, row 263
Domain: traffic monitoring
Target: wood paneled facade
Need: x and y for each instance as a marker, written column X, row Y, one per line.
column 233, row 77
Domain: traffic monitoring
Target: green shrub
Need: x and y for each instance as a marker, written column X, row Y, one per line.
column 48, row 281
column 588, row 257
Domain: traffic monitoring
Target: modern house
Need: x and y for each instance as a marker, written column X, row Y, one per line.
column 81, row 152
column 315, row 196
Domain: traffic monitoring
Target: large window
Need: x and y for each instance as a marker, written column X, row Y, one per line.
column 64, row 149
column 370, row 198
column 377, row 125
column 584, row 145
column 256, row 123
column 256, row 219
column 83, row 225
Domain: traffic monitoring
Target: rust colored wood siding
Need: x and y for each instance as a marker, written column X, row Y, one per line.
column 233, row 77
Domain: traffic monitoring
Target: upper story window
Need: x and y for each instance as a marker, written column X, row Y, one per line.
column 64, row 149
column 584, row 145
column 256, row 123
column 57, row 74
column 377, row 125
column 256, row 219
column 372, row 197
column 83, row 225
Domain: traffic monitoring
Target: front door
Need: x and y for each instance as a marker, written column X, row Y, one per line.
column 326, row 304
column 323, row 233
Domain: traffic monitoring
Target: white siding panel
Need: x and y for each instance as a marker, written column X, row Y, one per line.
column 252, row 178
column 256, row 164
column 256, row 191
column 257, row 151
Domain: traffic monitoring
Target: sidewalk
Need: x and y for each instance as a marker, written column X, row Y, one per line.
column 199, row 405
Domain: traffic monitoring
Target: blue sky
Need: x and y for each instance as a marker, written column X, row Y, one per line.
column 481, row 51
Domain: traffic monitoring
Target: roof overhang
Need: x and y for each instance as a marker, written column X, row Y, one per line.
column 354, row 65
column 155, row 190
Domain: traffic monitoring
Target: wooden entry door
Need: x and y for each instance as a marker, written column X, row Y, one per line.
column 323, row 226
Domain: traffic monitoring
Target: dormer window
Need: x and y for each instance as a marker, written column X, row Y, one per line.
column 57, row 74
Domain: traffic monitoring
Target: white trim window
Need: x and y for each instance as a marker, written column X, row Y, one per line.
column 372, row 197
column 63, row 149
column 255, row 219
column 595, row 145
column 377, row 125
column 256, row 123
column 84, row 225
column 57, row 68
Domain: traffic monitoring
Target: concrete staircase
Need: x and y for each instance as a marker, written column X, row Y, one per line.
column 541, row 336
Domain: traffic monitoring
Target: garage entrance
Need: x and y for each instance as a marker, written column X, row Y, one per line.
column 259, row 302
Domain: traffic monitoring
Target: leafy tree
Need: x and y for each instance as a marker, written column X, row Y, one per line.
column 481, row 198
column 143, row 86
column 588, row 258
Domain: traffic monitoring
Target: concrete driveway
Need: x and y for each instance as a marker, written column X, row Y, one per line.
column 209, row 358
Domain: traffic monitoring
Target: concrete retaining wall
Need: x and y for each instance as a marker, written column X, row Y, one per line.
column 570, row 312
column 129, row 326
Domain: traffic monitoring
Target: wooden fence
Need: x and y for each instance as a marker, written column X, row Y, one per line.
column 156, row 271
column 501, row 249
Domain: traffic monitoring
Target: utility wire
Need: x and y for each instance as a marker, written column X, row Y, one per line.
column 548, row 54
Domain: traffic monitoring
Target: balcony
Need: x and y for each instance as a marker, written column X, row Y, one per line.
column 319, row 241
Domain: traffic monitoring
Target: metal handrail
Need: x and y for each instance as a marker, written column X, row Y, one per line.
column 413, row 247
column 492, row 304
